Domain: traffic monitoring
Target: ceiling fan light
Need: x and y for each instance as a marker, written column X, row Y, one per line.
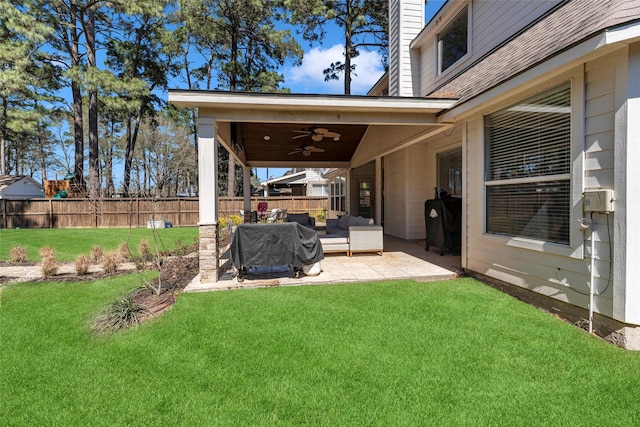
column 337, row 138
column 306, row 153
column 266, row 137
column 316, row 137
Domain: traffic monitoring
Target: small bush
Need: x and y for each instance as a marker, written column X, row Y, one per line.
column 18, row 254
column 110, row 261
column 123, row 313
column 82, row 265
column 123, row 252
column 236, row 219
column 96, row 254
column 144, row 250
column 49, row 261
column 321, row 215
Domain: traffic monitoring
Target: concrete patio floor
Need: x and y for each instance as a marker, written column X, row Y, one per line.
column 401, row 260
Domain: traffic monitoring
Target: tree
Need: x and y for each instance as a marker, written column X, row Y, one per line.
column 141, row 63
column 240, row 47
column 26, row 81
column 80, row 28
column 364, row 22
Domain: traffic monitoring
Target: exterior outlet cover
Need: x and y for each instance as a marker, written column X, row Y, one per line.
column 598, row 201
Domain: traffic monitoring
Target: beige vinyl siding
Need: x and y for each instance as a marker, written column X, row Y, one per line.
column 394, row 47
column 427, row 67
column 405, row 192
column 394, row 193
column 416, row 193
column 496, row 21
column 599, row 122
column 406, row 21
column 492, row 23
column 544, row 272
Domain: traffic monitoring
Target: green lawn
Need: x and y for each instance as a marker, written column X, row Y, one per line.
column 391, row 353
column 71, row 242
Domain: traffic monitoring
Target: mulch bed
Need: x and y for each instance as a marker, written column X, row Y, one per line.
column 175, row 274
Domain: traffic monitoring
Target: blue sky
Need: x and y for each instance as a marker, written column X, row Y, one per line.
column 308, row 77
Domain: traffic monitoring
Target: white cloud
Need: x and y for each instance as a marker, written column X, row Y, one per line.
column 308, row 77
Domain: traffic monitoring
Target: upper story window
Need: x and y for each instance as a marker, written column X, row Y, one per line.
column 453, row 41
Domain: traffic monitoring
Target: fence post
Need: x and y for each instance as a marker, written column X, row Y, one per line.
column 4, row 213
column 179, row 211
column 50, row 213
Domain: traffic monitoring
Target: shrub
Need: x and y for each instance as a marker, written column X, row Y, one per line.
column 121, row 314
column 144, row 250
column 18, row 254
column 49, row 261
column 110, row 261
column 236, row 219
column 82, row 265
column 123, row 252
column 96, row 254
column 321, row 215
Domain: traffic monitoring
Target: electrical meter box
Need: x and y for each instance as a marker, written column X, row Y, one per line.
column 598, row 200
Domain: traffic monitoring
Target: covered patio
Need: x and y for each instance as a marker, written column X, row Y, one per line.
column 303, row 131
column 402, row 260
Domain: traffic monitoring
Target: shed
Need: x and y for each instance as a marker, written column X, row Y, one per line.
column 19, row 187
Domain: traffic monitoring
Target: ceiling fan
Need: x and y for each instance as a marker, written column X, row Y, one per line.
column 306, row 150
column 317, row 134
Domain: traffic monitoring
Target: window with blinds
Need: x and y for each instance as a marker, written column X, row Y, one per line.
column 450, row 172
column 528, row 168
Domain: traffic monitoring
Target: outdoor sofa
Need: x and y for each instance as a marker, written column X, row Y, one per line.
column 352, row 234
column 302, row 219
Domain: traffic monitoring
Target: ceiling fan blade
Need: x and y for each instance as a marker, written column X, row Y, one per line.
column 301, row 131
column 321, row 131
column 316, row 150
column 297, row 150
column 299, row 136
column 332, row 135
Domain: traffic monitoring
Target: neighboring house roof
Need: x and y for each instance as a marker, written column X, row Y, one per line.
column 11, row 187
column 293, row 178
column 302, row 177
column 556, row 31
column 7, row 180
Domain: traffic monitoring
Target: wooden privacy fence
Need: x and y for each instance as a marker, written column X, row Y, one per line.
column 120, row 212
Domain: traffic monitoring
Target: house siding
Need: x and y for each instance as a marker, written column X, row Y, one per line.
column 491, row 24
column 405, row 22
column 562, row 277
column 394, row 193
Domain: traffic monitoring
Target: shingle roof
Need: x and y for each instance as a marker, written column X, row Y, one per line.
column 568, row 25
column 7, row 180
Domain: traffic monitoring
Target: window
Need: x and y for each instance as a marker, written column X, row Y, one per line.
column 450, row 172
column 338, row 192
column 453, row 41
column 528, row 168
column 319, row 190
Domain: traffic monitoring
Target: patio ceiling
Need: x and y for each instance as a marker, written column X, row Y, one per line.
column 261, row 129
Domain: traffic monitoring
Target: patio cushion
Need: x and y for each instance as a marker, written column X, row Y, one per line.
column 361, row 221
column 343, row 222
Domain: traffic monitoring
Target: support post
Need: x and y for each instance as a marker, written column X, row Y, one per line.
column 379, row 191
column 208, row 200
column 246, row 192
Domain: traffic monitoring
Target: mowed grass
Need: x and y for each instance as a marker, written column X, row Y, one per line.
column 385, row 354
column 71, row 242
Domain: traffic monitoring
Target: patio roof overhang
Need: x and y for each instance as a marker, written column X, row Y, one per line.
column 260, row 129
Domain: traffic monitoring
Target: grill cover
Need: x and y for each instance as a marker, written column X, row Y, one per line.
column 286, row 243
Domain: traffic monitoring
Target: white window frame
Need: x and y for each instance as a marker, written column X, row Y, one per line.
column 575, row 249
column 439, row 45
column 339, row 181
